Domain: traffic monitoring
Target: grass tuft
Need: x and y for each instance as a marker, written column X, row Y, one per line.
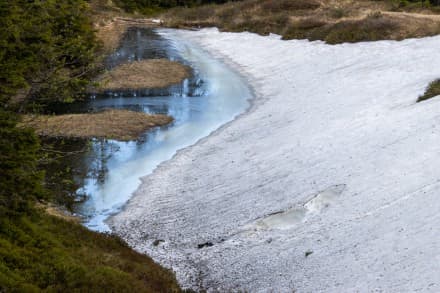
column 432, row 91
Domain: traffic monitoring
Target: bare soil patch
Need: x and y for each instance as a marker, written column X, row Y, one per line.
column 111, row 124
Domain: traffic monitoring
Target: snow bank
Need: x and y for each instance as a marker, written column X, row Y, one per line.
column 334, row 160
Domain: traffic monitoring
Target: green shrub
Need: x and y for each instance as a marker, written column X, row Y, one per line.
column 41, row 252
column 20, row 181
column 433, row 90
column 47, row 48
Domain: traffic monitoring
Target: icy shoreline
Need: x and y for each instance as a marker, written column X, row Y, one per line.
column 334, row 161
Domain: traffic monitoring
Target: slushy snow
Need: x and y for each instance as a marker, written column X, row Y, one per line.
column 329, row 183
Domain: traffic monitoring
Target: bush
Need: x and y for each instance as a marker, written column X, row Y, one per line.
column 433, row 90
column 42, row 252
column 47, row 48
column 20, row 181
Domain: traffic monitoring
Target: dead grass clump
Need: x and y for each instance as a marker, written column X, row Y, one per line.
column 338, row 12
column 262, row 26
column 110, row 31
column 154, row 73
column 229, row 13
column 333, row 21
column 248, row 5
column 57, row 211
column 371, row 28
column 286, row 5
column 303, row 28
column 112, row 124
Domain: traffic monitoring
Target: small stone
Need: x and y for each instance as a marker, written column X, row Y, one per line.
column 158, row 241
column 206, row 244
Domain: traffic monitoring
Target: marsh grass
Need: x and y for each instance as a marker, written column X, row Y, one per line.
column 145, row 74
column 112, row 124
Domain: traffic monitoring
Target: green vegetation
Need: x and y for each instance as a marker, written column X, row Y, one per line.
column 48, row 55
column 433, row 90
column 41, row 252
column 48, row 52
column 38, row 251
column 20, row 181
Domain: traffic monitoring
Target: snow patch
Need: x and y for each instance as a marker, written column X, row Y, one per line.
column 292, row 217
column 322, row 114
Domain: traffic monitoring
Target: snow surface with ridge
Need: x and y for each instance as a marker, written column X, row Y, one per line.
column 330, row 182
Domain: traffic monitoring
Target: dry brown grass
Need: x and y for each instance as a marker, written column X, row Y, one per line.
column 334, row 21
column 286, row 5
column 57, row 211
column 111, row 124
column 111, row 28
column 153, row 73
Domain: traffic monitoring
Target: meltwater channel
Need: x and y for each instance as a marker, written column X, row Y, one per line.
column 212, row 97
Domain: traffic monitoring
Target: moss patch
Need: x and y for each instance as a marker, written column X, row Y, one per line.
column 41, row 252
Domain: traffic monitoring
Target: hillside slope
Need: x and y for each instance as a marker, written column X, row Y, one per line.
column 334, row 21
column 328, row 184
